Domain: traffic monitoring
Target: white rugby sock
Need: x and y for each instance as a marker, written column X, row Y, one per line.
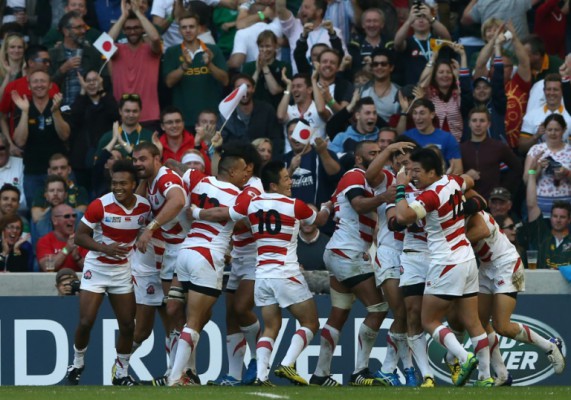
column 446, row 338
column 329, row 339
column 302, row 337
column 496, row 360
column 391, row 358
column 527, row 335
column 186, row 345
column 79, row 357
column 263, row 353
column 367, row 337
column 235, row 347
column 482, row 352
column 122, row 364
column 417, row 344
column 174, row 337
column 252, row 334
column 403, row 350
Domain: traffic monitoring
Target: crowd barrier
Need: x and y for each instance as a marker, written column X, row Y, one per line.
column 36, row 337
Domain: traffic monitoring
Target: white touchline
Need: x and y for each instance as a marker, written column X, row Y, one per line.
column 269, row 395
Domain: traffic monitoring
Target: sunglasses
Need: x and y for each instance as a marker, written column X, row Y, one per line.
column 130, row 96
column 42, row 60
column 67, row 216
column 380, row 63
column 510, row 227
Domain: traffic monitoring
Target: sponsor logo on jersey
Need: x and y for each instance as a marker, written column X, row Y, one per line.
column 527, row 364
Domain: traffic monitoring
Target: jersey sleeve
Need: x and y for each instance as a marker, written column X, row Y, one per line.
column 304, row 213
column 428, row 200
column 94, row 214
column 191, row 178
column 169, row 181
column 240, row 209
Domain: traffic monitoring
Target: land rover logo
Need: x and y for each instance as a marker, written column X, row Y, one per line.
column 526, row 363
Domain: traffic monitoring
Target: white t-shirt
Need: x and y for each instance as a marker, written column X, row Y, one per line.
column 245, row 41
column 13, row 173
column 163, row 9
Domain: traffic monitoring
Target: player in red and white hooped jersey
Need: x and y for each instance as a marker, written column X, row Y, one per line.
column 348, row 261
column 453, row 274
column 108, row 230
column 242, row 325
column 501, row 277
column 387, row 267
column 164, row 190
column 200, row 262
column 275, row 218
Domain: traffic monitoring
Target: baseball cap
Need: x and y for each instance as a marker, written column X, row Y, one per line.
column 501, row 194
column 483, row 79
column 64, row 272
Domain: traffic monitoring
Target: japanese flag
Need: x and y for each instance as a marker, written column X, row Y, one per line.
column 105, row 45
column 229, row 104
column 302, row 133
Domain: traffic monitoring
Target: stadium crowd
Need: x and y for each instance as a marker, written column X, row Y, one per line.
column 378, row 126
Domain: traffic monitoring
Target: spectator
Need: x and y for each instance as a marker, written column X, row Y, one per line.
column 250, row 26
column 163, row 17
column 554, row 155
column 387, row 136
column 491, row 93
column 267, row 71
column 11, row 169
column 483, row 157
column 76, row 196
column 56, row 35
column 500, row 203
column 41, row 130
column 314, row 170
column 362, row 46
column 225, row 24
column 533, row 128
column 131, row 133
column 253, row 119
column 425, row 133
column 510, row 228
column 57, row 250
column 415, row 49
column 479, row 11
column 12, row 59
column 67, row 283
column 549, row 23
column 36, row 57
column 440, row 80
column 264, row 148
column 92, row 114
column 542, row 64
column 10, row 197
column 307, row 104
column 17, row 253
column 305, row 64
column 194, row 160
column 336, row 91
column 549, row 237
column 55, row 193
column 194, row 67
column 382, row 90
column 176, row 141
column 341, row 13
column 72, row 57
column 135, row 65
column 491, row 29
column 365, row 128
column 310, row 12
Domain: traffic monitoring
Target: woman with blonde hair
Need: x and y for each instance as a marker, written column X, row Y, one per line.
column 265, row 148
column 11, row 59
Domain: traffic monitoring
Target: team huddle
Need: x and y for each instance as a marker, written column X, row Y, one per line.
column 162, row 246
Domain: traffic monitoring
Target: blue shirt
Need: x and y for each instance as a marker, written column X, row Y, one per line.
column 444, row 140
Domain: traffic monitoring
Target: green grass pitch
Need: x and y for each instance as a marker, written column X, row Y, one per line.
column 282, row 393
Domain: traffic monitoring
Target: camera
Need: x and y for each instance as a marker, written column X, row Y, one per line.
column 74, row 287
column 552, row 166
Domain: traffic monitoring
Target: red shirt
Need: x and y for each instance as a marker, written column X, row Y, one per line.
column 21, row 86
column 517, row 92
column 187, row 144
column 50, row 244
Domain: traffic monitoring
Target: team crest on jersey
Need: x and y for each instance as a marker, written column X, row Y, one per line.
column 157, row 201
column 501, row 282
column 428, row 284
column 141, row 220
column 87, row 274
column 150, row 289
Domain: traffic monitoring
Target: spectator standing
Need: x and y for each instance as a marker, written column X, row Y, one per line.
column 41, row 130
column 135, row 65
column 57, row 249
column 56, row 35
column 479, row 11
column 12, row 59
column 542, row 64
column 362, row 46
column 194, row 67
column 72, row 56
column 382, row 90
column 336, row 91
column 365, row 128
column 11, row 169
column 500, row 203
